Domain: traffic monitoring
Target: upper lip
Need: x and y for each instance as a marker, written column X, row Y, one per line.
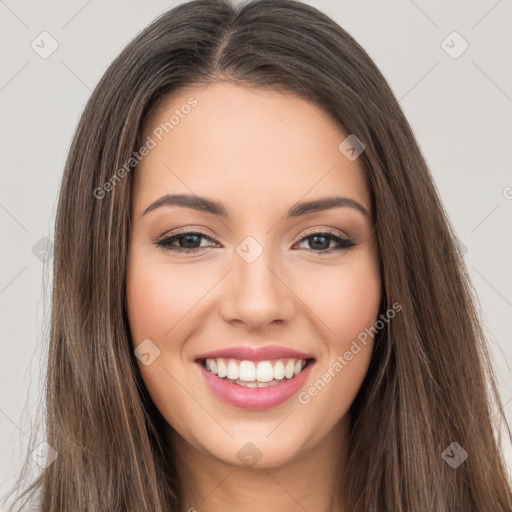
column 255, row 354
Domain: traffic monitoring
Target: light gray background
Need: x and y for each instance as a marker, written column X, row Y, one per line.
column 460, row 110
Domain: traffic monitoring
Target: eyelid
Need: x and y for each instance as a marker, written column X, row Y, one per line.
column 199, row 230
column 331, row 231
column 343, row 241
column 309, row 232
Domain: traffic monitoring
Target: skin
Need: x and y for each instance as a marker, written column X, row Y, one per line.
column 258, row 152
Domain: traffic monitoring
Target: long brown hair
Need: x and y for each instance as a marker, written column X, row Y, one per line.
column 430, row 381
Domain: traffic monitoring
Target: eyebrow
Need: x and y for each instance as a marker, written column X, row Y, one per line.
column 203, row 204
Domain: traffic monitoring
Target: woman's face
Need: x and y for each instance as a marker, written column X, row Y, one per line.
column 274, row 290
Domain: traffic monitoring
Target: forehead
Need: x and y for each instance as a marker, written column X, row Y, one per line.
column 244, row 145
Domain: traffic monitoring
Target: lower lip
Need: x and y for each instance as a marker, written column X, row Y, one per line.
column 255, row 398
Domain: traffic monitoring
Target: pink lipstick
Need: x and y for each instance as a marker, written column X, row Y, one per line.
column 255, row 378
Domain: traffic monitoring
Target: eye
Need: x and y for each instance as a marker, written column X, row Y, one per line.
column 190, row 241
column 320, row 242
column 187, row 241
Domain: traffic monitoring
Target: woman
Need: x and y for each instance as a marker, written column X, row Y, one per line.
column 258, row 302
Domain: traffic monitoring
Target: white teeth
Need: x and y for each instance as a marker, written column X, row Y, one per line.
column 248, row 384
column 221, row 368
column 264, row 371
column 255, row 374
column 247, row 371
column 279, row 370
column 232, row 370
column 256, row 384
column 289, row 371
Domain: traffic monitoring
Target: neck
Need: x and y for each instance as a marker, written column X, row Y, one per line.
column 311, row 481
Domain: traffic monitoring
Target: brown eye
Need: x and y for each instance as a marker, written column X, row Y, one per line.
column 321, row 242
column 189, row 241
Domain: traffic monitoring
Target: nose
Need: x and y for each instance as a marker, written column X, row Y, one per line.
column 257, row 294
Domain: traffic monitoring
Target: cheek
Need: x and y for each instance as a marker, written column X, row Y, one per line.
column 160, row 306
column 150, row 304
column 356, row 304
column 345, row 299
column 348, row 305
column 160, row 296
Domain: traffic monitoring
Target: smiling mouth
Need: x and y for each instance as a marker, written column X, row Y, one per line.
column 255, row 374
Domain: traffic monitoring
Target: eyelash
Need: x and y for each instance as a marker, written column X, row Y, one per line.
column 343, row 243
